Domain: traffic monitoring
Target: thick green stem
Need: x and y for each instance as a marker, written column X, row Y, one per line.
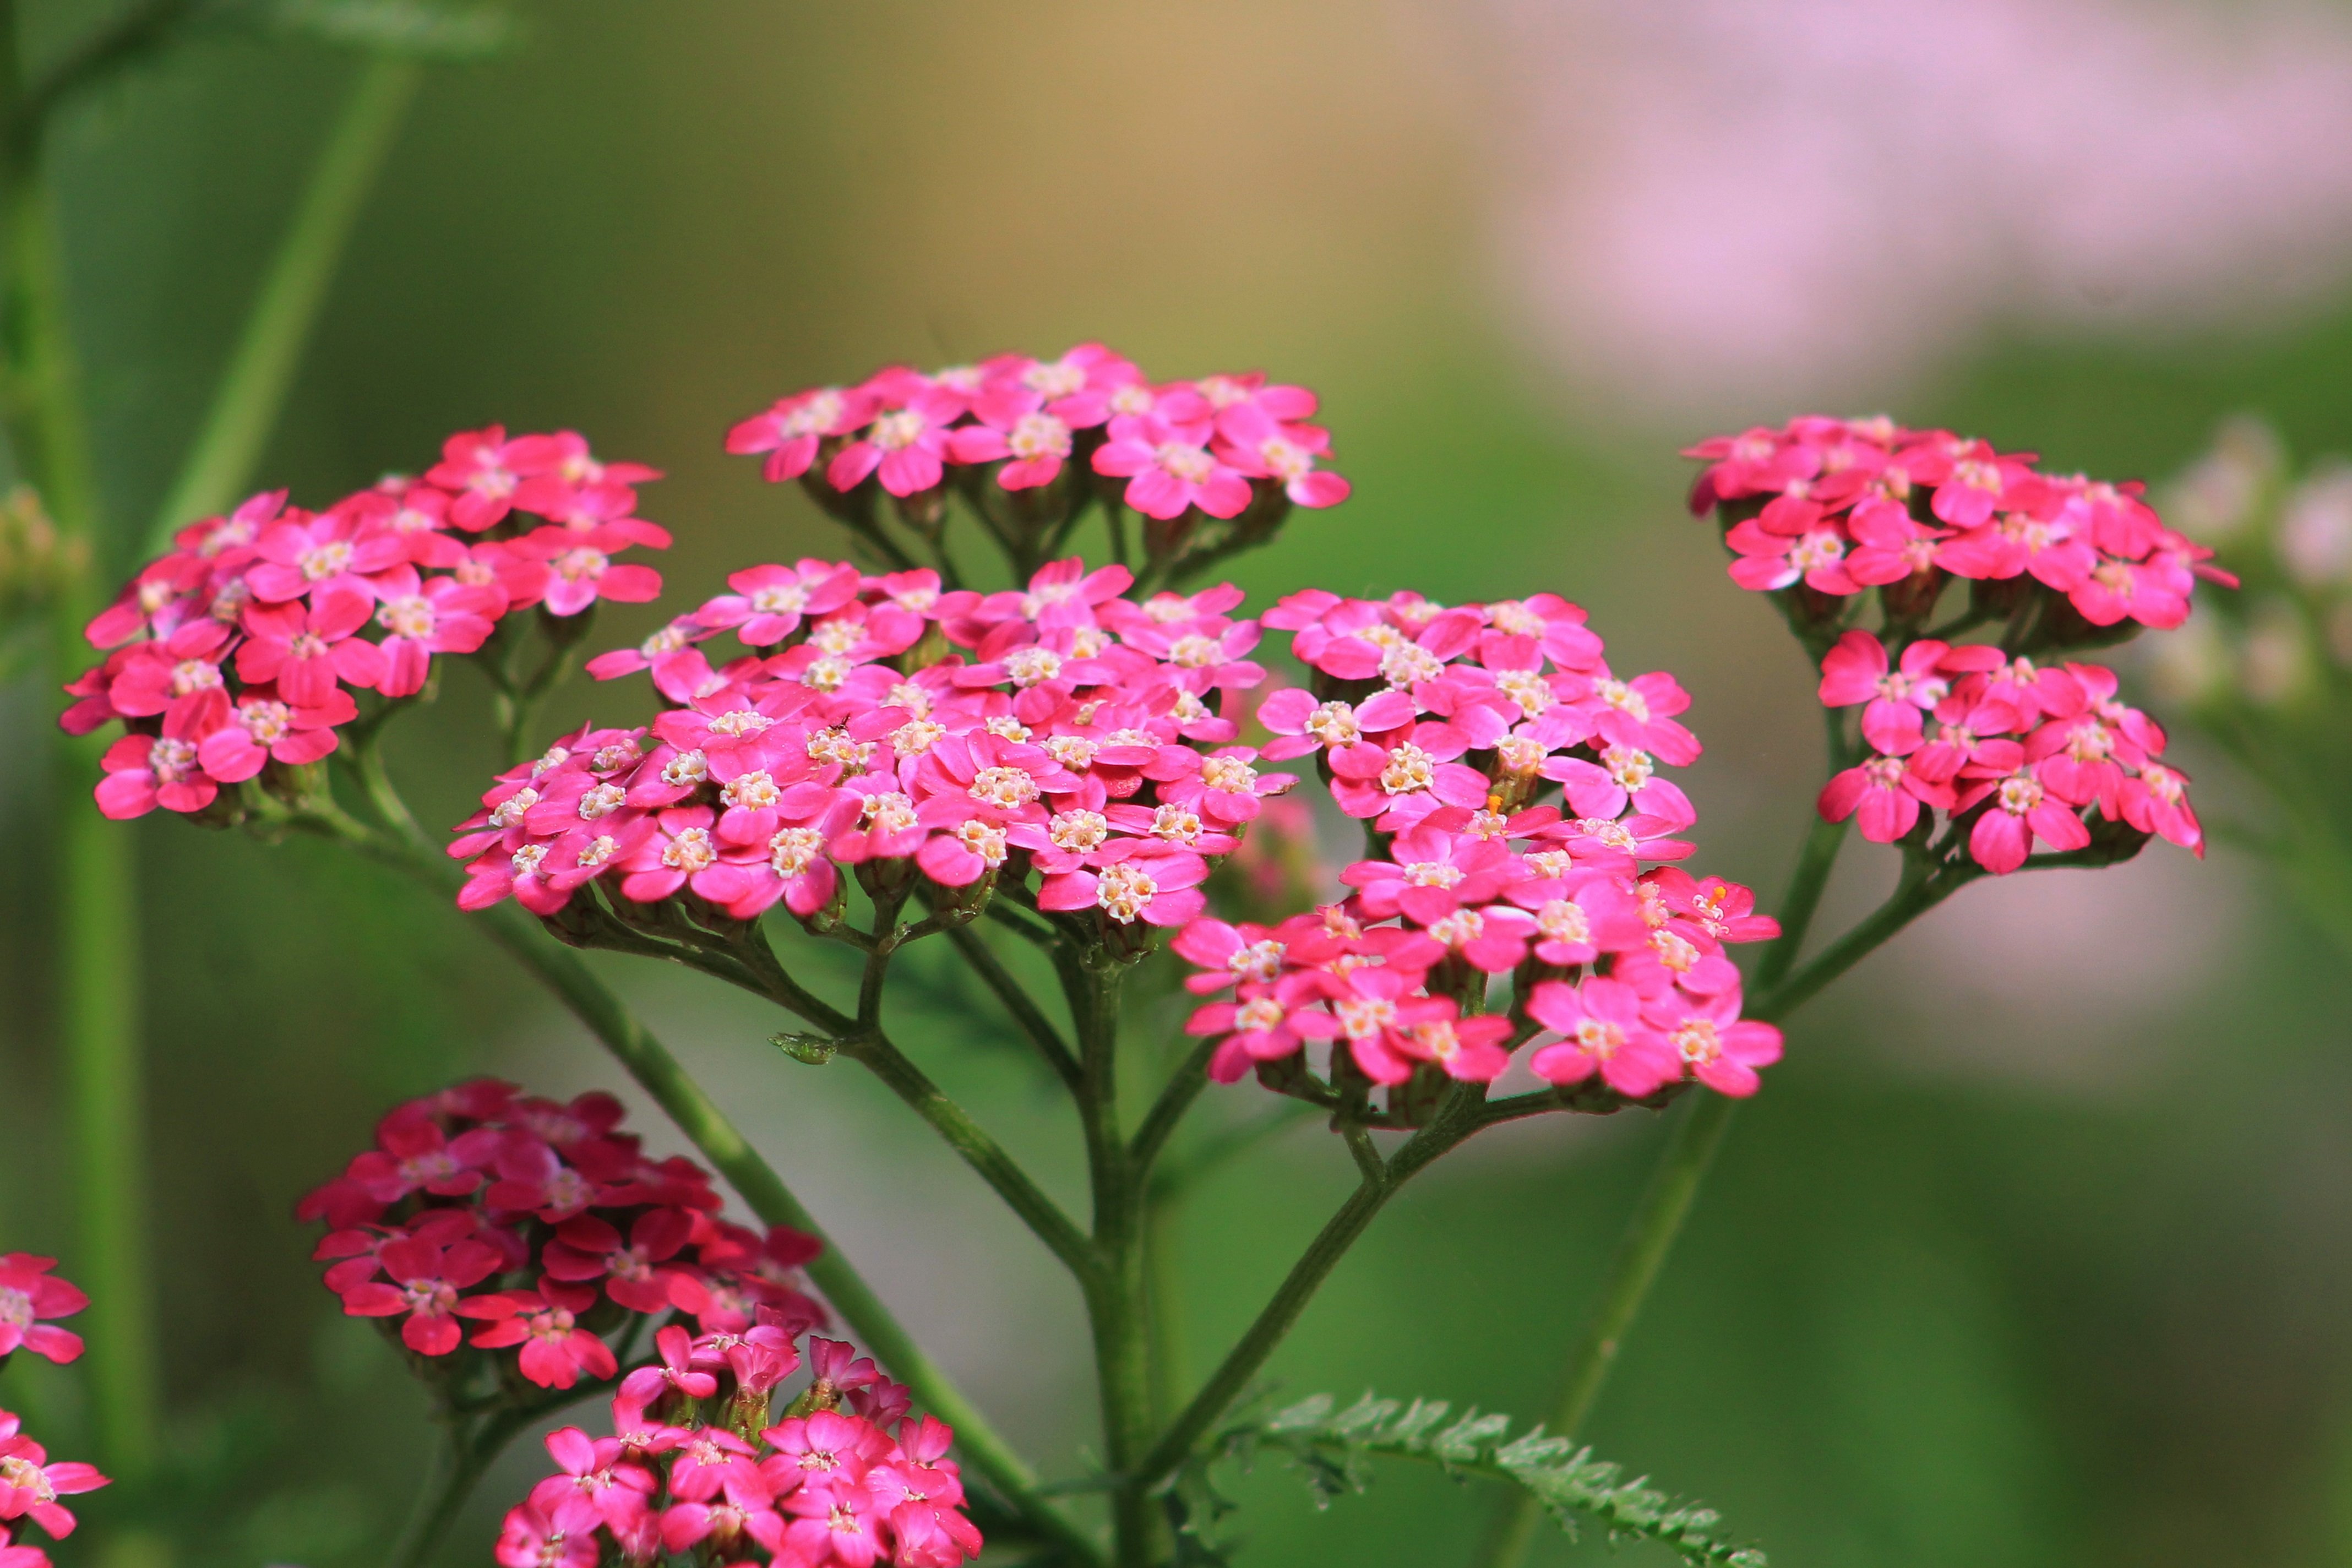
column 268, row 351
column 1118, row 1301
column 708, row 1128
column 457, row 1466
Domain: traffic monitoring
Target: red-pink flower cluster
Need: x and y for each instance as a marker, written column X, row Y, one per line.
column 547, row 1227
column 1444, row 729
column 2034, row 747
column 245, row 644
column 30, row 1483
column 879, row 723
column 1221, row 443
column 848, row 1478
column 1845, row 505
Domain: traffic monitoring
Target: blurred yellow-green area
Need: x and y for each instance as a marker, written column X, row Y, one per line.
column 2037, row 1247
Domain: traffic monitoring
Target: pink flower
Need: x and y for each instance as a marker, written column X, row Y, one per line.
column 789, row 431
column 905, row 445
column 555, row 1348
column 30, row 1485
column 21, row 1556
column 599, row 507
column 143, row 772
column 29, row 1292
column 1132, row 879
column 769, row 602
column 532, row 1537
column 594, row 1468
column 2023, row 810
column 1717, row 1047
column 2156, row 800
column 1167, row 473
column 1771, row 560
column 333, row 552
column 425, row 1284
column 1887, row 792
column 587, row 1248
column 1469, row 1049
column 581, row 570
column 436, row 615
column 307, row 649
column 261, row 730
column 2154, row 592
column 1606, row 1034
column 1375, row 1009
column 1856, row 670
column 480, row 465
column 1260, row 1025
column 1257, row 444
column 1035, row 441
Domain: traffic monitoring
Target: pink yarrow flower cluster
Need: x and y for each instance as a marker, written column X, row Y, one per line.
column 2031, row 750
column 541, row 1228
column 30, row 1481
column 255, row 639
column 1511, row 782
column 1843, row 506
column 846, row 1478
column 878, row 725
column 1222, row 444
column 2014, row 742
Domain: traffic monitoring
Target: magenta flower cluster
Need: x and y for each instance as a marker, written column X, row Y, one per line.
column 1440, row 728
column 1847, row 505
column 878, row 725
column 1823, row 511
column 848, row 1477
column 1221, row 443
column 245, row 644
column 546, row 1228
column 30, row 1482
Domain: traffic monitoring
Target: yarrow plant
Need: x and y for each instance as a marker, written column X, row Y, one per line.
column 30, row 1481
column 1105, row 774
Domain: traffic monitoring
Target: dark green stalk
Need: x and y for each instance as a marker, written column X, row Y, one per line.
column 1454, row 1121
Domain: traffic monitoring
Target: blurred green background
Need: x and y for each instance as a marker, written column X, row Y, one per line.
column 2035, row 1250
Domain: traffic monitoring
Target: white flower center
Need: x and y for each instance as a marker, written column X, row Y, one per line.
column 1125, row 891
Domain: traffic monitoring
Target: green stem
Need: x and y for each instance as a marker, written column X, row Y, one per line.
column 1674, row 1187
column 268, row 351
column 1454, row 1121
column 1040, row 1213
column 98, row 923
column 707, row 1127
column 1649, row 1237
column 457, row 1466
column 975, row 951
column 1117, row 1300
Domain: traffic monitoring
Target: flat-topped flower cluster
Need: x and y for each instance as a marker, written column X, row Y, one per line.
column 878, row 725
column 30, row 1481
column 847, row 1477
column 1444, row 729
column 546, row 1228
column 1843, row 506
column 245, row 646
column 1221, row 443
column 2026, row 743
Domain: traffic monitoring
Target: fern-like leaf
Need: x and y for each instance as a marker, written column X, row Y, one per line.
column 1331, row 1446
